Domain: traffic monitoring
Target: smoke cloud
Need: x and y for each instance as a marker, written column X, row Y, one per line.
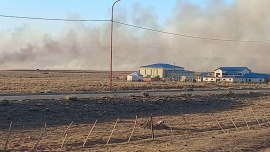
column 87, row 46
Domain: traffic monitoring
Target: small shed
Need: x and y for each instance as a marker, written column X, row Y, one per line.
column 136, row 76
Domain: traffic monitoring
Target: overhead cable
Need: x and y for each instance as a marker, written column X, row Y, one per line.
column 136, row 26
column 189, row 36
column 53, row 19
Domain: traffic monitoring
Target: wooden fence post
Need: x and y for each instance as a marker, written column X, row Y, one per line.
column 8, row 134
column 218, row 123
column 89, row 133
column 266, row 116
column 255, row 117
column 66, row 134
column 112, row 131
column 133, row 129
column 185, row 121
column 40, row 137
column 152, row 127
column 245, row 119
column 233, row 122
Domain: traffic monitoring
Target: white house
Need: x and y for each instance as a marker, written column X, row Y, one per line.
column 230, row 71
column 235, row 74
column 135, row 76
column 206, row 77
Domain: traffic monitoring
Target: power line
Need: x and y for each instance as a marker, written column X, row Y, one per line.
column 190, row 36
column 134, row 26
column 52, row 19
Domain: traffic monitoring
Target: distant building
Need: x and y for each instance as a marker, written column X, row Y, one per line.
column 135, row 76
column 234, row 74
column 206, row 77
column 163, row 70
column 231, row 71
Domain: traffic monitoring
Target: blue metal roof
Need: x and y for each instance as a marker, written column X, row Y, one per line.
column 254, row 75
column 160, row 65
column 233, row 69
column 204, row 74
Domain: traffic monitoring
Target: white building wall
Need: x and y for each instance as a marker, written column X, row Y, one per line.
column 152, row 72
column 134, row 78
column 227, row 79
column 129, row 78
column 218, row 71
column 207, row 79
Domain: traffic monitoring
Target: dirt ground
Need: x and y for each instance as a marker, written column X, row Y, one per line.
column 48, row 81
column 193, row 122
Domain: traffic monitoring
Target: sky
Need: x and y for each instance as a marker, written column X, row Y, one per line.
column 84, row 9
column 28, row 44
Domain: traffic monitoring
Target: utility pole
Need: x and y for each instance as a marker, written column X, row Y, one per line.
column 173, row 71
column 110, row 84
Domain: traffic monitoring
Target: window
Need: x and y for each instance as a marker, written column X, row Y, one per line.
column 249, row 80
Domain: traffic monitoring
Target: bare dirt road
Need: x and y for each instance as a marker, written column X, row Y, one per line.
column 34, row 96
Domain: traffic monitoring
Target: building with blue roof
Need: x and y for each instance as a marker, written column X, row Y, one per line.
column 164, row 70
column 162, row 65
column 252, row 77
column 236, row 74
column 231, row 71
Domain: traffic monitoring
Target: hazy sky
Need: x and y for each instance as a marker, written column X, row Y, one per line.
column 85, row 9
column 85, row 45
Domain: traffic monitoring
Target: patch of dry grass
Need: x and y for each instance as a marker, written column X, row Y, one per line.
column 81, row 81
column 198, row 131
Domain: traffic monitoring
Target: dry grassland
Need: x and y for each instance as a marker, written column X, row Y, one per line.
column 200, row 131
column 32, row 81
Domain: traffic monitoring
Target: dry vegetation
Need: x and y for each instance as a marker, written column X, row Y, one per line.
column 199, row 131
column 47, row 81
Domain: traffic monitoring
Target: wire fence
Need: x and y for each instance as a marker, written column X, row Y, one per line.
column 129, row 130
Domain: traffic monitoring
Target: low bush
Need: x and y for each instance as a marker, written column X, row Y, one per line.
column 71, row 98
column 4, row 102
column 145, row 94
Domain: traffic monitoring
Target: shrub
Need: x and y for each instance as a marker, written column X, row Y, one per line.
column 71, row 98
column 48, row 91
column 156, row 78
column 228, row 91
column 4, row 102
column 184, row 94
column 145, row 94
column 131, row 95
